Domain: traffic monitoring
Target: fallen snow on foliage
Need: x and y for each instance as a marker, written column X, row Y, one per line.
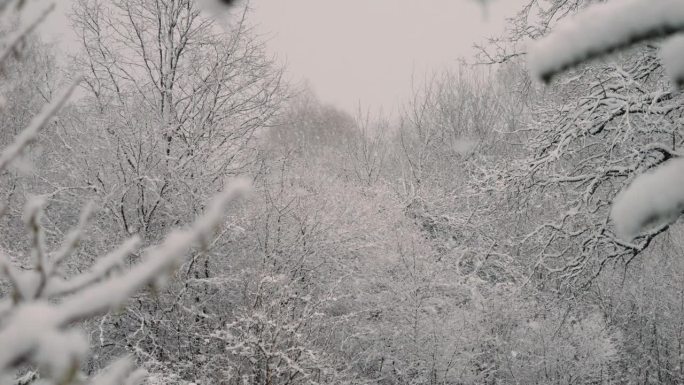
column 655, row 197
column 604, row 28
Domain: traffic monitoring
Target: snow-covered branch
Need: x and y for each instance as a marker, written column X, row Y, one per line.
column 14, row 41
column 30, row 133
column 604, row 28
column 653, row 198
column 38, row 331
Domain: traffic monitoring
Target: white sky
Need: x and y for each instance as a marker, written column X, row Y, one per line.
column 365, row 51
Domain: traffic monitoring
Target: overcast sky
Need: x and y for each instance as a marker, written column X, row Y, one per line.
column 366, row 51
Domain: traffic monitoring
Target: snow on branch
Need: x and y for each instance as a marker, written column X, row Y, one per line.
column 39, row 121
column 653, row 198
column 37, row 321
column 36, row 330
column 657, row 197
column 604, row 28
column 158, row 262
column 121, row 373
column 14, row 41
column 58, row 287
column 672, row 54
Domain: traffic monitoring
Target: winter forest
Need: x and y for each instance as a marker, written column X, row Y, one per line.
column 174, row 210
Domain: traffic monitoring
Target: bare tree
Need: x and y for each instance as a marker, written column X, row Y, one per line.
column 368, row 149
column 175, row 103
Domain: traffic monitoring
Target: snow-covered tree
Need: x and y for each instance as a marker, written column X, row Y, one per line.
column 40, row 313
column 173, row 104
column 656, row 197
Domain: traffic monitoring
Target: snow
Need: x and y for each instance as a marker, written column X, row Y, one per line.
column 73, row 238
column 34, row 205
column 25, row 283
column 653, row 198
column 465, row 147
column 672, row 54
column 39, row 121
column 57, row 286
column 603, row 28
column 136, row 378
column 14, row 41
column 24, row 331
column 215, row 7
column 59, row 354
column 116, row 374
column 162, row 259
column 38, row 330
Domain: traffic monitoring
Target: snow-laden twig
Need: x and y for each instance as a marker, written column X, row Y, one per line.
column 672, row 54
column 602, row 29
column 654, row 197
column 37, row 330
column 57, row 287
column 72, row 239
column 160, row 260
column 30, row 133
column 25, row 31
column 121, row 372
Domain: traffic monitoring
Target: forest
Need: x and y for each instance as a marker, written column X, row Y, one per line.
column 175, row 211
